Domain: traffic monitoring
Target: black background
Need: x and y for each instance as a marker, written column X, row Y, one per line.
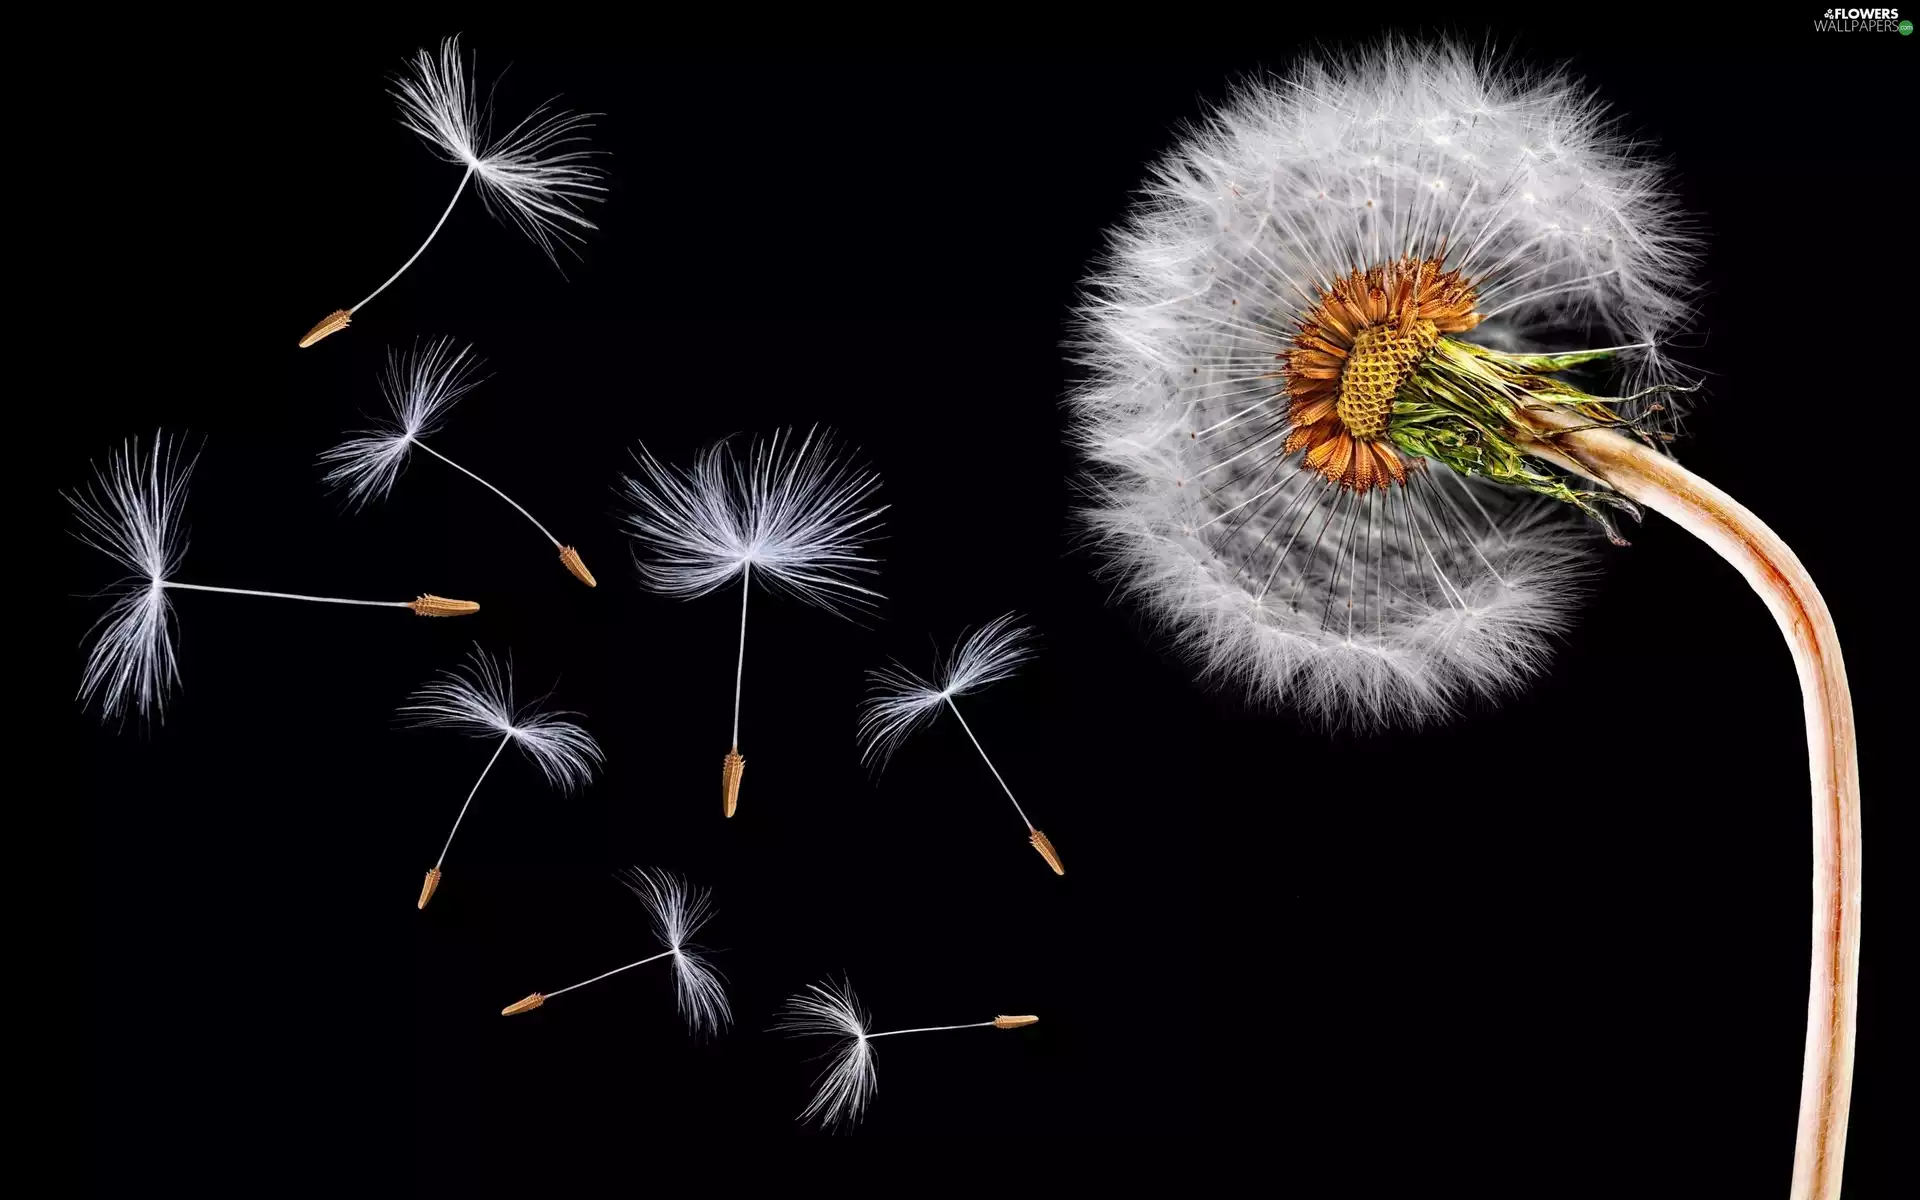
column 1556, row 945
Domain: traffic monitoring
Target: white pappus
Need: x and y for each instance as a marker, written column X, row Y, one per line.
column 795, row 517
column 1359, row 587
column 796, row 513
column 477, row 700
column 533, row 175
column 902, row 701
column 133, row 512
column 678, row 910
column 420, row 387
column 832, row 1010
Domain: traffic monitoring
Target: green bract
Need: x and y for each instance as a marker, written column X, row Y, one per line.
column 1468, row 407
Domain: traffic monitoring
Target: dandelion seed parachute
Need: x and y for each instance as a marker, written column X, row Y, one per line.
column 420, row 387
column 902, row 702
column 832, row 1010
column 477, row 700
column 678, row 911
column 528, row 175
column 133, row 513
column 844, row 1088
column 1336, row 360
column 794, row 517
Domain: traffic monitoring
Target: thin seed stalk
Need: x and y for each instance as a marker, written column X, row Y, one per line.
column 734, row 765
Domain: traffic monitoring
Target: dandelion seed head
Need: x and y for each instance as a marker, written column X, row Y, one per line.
column 1249, row 334
column 678, row 911
column 844, row 1088
column 132, row 512
column 797, row 517
column 534, row 175
column 419, row 385
column 901, row 701
column 477, row 699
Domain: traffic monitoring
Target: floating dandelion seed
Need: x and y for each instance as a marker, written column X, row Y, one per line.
column 132, row 512
column 420, row 387
column 477, row 700
column 525, row 175
column 847, row 1085
column 903, row 702
column 678, row 912
column 793, row 514
column 1332, row 375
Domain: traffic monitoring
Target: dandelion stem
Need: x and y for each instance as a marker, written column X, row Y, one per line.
column 990, row 767
column 597, row 978
column 496, row 491
column 740, row 663
column 1776, row 573
column 423, row 245
column 930, row 1029
column 469, row 801
column 201, row 587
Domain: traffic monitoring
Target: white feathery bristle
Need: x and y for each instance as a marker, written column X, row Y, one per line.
column 526, row 174
column 131, row 512
column 902, row 701
column 477, row 700
column 679, row 911
column 1396, row 604
column 795, row 515
column 420, row 386
column 844, row 1088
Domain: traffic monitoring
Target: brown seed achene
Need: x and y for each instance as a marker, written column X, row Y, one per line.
column 1039, row 842
column 333, row 322
column 430, row 605
column 570, row 559
column 732, row 767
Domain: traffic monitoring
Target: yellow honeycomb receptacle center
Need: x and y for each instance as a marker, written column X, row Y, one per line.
column 1382, row 358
